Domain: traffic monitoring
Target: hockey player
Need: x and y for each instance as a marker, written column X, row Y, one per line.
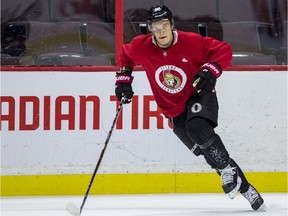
column 182, row 68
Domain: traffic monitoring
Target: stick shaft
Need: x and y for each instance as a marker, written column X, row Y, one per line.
column 101, row 155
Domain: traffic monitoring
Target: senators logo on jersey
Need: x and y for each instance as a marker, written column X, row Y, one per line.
column 170, row 78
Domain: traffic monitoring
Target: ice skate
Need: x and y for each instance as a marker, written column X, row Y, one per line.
column 231, row 181
column 256, row 201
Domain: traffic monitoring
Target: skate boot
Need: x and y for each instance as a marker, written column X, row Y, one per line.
column 231, row 181
column 256, row 201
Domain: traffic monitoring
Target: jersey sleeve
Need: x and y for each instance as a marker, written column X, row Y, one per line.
column 218, row 51
column 126, row 56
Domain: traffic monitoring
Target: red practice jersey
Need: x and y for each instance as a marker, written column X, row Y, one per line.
column 171, row 71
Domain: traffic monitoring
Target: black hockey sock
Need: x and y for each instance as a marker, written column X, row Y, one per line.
column 216, row 152
column 181, row 133
column 201, row 132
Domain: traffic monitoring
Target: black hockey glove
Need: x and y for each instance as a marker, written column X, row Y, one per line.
column 205, row 79
column 123, row 87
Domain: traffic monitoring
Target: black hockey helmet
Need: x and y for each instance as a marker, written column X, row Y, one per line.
column 158, row 13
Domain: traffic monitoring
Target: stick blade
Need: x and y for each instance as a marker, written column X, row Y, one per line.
column 72, row 209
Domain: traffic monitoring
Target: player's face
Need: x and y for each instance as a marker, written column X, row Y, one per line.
column 162, row 30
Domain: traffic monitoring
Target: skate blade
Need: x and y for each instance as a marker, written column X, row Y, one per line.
column 262, row 208
column 233, row 193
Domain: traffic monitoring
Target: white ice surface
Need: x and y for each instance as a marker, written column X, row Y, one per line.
column 144, row 205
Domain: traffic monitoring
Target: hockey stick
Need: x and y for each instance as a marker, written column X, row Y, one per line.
column 70, row 207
